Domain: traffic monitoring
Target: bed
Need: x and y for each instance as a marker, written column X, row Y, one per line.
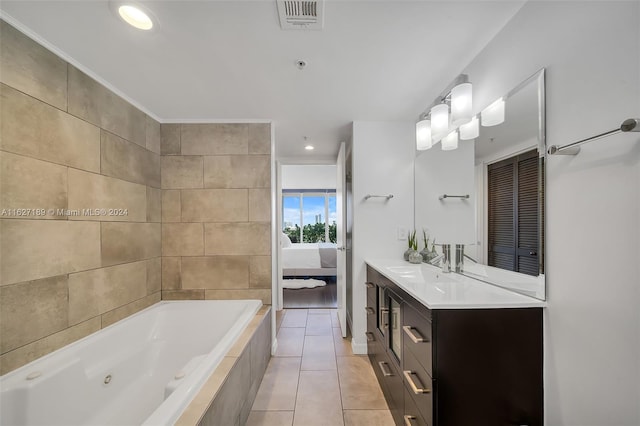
column 308, row 259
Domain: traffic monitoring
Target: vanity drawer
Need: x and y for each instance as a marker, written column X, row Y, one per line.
column 412, row 416
column 417, row 337
column 392, row 385
column 416, row 379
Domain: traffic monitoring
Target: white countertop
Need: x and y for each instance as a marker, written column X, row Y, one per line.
column 437, row 290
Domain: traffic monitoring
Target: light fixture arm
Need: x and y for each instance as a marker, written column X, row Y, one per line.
column 445, row 95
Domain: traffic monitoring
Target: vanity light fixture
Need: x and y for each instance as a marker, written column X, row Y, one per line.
column 450, row 141
column 309, row 147
column 423, row 135
column 493, row 114
column 471, row 130
column 439, row 121
column 461, row 104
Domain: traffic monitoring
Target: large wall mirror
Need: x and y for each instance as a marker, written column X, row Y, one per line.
column 494, row 187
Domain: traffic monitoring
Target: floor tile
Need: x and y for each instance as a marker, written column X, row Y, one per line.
column 368, row 418
column 318, row 353
column 290, row 342
column 295, row 318
column 270, row 418
column 321, row 311
column 334, row 319
column 318, row 401
column 342, row 344
column 360, row 388
column 318, row 325
column 279, row 385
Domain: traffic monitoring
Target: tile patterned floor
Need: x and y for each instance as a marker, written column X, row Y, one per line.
column 314, row 379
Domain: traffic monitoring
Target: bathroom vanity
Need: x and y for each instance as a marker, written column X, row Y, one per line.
column 449, row 350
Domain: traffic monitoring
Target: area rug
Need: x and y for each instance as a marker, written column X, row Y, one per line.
column 296, row 283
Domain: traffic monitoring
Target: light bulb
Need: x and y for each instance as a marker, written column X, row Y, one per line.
column 423, row 135
column 471, row 130
column 493, row 114
column 439, row 121
column 450, row 141
column 461, row 104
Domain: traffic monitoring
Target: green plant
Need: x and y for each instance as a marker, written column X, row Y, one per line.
column 425, row 239
column 413, row 241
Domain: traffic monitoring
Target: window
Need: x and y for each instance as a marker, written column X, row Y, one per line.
column 305, row 214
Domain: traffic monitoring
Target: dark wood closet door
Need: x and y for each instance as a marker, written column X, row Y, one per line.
column 515, row 208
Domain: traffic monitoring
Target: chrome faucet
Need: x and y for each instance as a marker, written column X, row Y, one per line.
column 446, row 258
column 459, row 258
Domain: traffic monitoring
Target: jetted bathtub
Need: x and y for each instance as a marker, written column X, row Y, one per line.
column 144, row 369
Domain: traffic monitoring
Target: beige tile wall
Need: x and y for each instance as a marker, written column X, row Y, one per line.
column 68, row 143
column 216, row 211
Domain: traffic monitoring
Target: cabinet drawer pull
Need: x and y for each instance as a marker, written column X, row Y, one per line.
column 417, row 390
column 370, row 337
column 385, row 370
column 369, row 285
column 413, row 335
column 408, row 420
column 370, row 310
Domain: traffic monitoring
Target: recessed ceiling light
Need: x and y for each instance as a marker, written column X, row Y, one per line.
column 309, row 147
column 135, row 17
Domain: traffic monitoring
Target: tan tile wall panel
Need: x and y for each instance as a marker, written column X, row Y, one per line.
column 95, row 292
column 154, row 204
column 54, row 286
column 27, row 183
column 96, row 104
column 25, row 354
column 182, row 172
column 32, row 128
column 214, row 139
column 32, row 310
column 215, row 272
column 31, row 68
column 153, row 135
column 171, row 274
column 260, row 205
column 170, row 139
column 214, row 205
column 122, row 312
column 116, row 200
column 154, row 275
column 237, row 171
column 260, row 139
column 182, row 294
column 128, row 242
column 171, row 206
column 182, row 239
column 260, row 272
column 33, row 249
column 127, row 161
column 237, row 238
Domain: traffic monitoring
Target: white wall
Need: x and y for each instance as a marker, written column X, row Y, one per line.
column 383, row 154
column 438, row 172
column 591, row 51
column 308, row 177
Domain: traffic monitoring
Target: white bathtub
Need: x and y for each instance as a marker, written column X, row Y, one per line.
column 142, row 370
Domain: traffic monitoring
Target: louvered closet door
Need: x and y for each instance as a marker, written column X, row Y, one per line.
column 514, row 213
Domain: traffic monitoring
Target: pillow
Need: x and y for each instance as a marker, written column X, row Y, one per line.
column 285, row 241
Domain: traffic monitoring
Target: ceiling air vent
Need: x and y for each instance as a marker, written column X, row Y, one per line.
column 301, row 14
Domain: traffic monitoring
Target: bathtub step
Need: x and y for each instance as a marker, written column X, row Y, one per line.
column 181, row 374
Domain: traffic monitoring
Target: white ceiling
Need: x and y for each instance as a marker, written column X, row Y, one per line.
column 229, row 60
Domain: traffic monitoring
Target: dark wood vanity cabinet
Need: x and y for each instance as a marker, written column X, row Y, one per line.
column 455, row 367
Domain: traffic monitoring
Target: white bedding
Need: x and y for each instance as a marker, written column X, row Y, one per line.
column 301, row 256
